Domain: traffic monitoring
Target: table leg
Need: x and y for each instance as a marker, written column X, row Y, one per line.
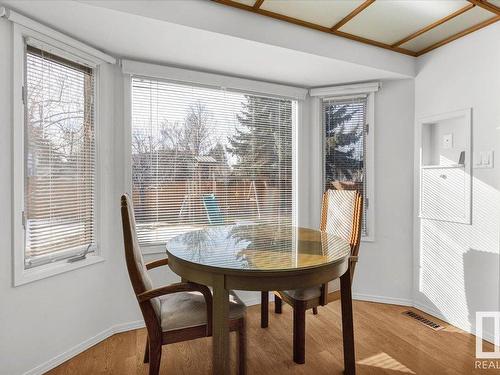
column 220, row 340
column 264, row 309
column 347, row 324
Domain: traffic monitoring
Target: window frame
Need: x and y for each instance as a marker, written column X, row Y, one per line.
column 202, row 79
column 341, row 92
column 21, row 36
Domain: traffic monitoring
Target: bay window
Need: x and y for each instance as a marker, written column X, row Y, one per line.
column 55, row 152
column 347, row 125
column 59, row 182
column 205, row 156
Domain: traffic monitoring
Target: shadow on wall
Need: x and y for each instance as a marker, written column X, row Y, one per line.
column 459, row 264
column 486, row 267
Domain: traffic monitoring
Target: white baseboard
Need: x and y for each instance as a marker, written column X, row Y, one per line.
column 118, row 328
column 249, row 301
column 436, row 313
column 487, row 336
column 431, row 311
column 77, row 349
column 253, row 298
column 382, row 299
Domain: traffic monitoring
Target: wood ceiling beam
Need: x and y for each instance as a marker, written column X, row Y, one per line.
column 257, row 4
column 314, row 26
column 459, row 35
column 353, row 14
column 433, row 25
column 485, row 5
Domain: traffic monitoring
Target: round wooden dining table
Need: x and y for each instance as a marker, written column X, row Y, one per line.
column 261, row 257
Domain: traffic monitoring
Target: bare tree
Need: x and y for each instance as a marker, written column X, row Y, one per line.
column 196, row 136
column 168, row 154
column 56, row 113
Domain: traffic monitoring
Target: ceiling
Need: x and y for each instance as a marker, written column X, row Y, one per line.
column 134, row 30
column 411, row 27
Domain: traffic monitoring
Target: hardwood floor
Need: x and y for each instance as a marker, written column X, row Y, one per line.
column 386, row 343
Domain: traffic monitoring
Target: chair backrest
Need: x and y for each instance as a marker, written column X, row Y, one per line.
column 141, row 282
column 341, row 215
column 214, row 214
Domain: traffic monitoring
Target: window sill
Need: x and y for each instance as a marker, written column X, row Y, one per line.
column 48, row 270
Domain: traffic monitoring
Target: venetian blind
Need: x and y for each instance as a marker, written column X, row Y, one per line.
column 345, row 146
column 59, row 158
column 204, row 156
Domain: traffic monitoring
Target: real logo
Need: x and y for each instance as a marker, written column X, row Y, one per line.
column 487, row 356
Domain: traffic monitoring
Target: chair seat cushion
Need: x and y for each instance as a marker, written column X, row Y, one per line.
column 188, row 309
column 304, row 294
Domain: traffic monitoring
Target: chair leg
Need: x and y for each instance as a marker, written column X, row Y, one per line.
column 277, row 305
column 154, row 358
column 146, row 351
column 264, row 309
column 242, row 348
column 347, row 324
column 315, row 310
column 299, row 333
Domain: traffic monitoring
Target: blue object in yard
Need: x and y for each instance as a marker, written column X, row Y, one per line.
column 212, row 208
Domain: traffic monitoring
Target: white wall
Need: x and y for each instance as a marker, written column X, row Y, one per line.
column 433, row 150
column 219, row 39
column 43, row 319
column 456, row 265
column 215, row 18
column 56, row 317
column 461, row 271
column 384, row 269
column 49, row 320
column 384, row 266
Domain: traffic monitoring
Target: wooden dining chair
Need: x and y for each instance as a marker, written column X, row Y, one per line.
column 340, row 215
column 176, row 312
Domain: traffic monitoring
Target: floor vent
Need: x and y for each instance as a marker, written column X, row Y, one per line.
column 423, row 320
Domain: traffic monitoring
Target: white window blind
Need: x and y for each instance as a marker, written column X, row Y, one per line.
column 345, row 146
column 59, row 158
column 204, row 156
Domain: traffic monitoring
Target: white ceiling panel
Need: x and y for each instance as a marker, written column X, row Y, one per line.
column 495, row 2
column 246, row 2
column 320, row 12
column 468, row 19
column 389, row 21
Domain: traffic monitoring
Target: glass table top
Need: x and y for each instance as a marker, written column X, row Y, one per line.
column 259, row 247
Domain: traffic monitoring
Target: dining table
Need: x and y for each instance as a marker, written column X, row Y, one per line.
column 262, row 257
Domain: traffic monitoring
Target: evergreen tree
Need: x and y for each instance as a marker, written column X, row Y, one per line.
column 341, row 143
column 262, row 144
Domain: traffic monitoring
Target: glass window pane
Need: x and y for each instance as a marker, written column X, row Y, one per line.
column 203, row 156
column 345, row 146
column 59, row 158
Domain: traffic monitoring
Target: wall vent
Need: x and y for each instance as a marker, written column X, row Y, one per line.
column 421, row 319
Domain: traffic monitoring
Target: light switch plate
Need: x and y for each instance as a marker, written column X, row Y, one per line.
column 448, row 141
column 484, row 159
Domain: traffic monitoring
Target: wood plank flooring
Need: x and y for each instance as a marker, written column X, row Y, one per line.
column 387, row 342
